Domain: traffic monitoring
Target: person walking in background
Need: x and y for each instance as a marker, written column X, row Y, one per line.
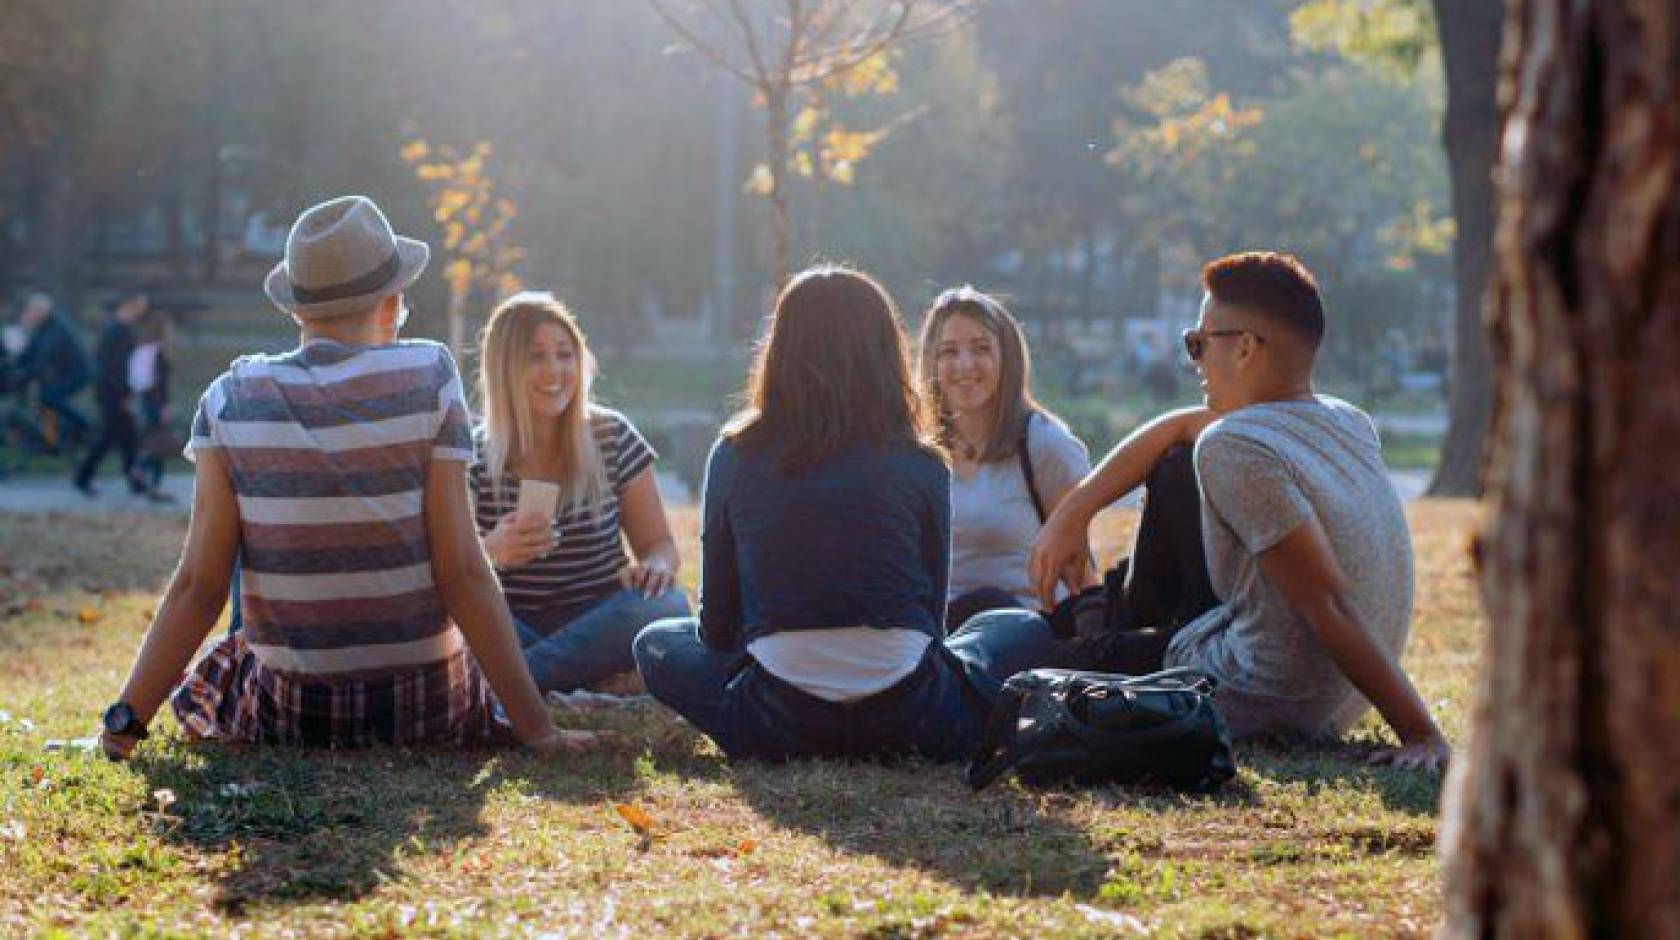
column 53, row 361
column 336, row 475
column 114, row 397
column 149, row 371
column 1012, row 460
column 577, row 601
column 825, row 552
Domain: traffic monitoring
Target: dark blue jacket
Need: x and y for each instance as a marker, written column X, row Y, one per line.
column 861, row 539
column 54, row 359
column 116, row 344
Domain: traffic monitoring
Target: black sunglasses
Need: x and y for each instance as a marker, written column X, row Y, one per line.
column 1195, row 341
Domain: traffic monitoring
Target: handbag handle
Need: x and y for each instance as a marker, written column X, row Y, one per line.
column 999, row 747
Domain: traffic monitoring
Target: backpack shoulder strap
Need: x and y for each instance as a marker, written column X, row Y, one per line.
column 1025, row 457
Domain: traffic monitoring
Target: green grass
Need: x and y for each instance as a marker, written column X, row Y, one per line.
column 207, row 841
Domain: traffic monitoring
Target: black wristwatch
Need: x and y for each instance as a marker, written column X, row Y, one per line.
column 120, row 719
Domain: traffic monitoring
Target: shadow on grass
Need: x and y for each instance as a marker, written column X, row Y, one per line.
column 1343, row 765
column 914, row 815
column 298, row 825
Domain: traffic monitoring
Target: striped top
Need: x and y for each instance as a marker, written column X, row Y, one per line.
column 588, row 553
column 327, row 448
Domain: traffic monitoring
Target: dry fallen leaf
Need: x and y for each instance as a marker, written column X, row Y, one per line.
column 746, row 847
column 638, row 818
column 88, row 614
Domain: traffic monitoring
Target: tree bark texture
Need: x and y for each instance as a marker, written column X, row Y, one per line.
column 776, row 117
column 1470, row 33
column 1563, row 817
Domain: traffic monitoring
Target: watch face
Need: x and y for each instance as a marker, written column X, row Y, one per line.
column 119, row 718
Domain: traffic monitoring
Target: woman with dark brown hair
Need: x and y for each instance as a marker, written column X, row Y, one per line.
column 825, row 546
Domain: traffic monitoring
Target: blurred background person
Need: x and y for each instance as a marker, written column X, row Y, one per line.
column 53, row 362
column 150, row 368
column 114, row 397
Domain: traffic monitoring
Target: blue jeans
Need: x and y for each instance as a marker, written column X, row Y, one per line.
column 933, row 712
column 573, row 648
column 999, row 643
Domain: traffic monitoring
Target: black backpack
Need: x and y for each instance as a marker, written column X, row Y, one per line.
column 1052, row 725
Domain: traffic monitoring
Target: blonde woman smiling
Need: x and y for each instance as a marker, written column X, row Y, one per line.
column 577, row 599
column 1011, row 460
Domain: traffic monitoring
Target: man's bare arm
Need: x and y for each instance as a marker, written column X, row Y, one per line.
column 1059, row 554
column 1303, row 567
column 192, row 602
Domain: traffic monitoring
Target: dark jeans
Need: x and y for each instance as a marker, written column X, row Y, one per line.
column 1164, row 585
column 151, row 465
column 570, row 649
column 935, row 712
column 116, row 428
column 71, row 425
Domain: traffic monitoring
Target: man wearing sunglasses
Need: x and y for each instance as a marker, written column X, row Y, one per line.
column 1274, row 557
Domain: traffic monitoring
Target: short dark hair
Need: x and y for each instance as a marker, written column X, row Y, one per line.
column 1275, row 285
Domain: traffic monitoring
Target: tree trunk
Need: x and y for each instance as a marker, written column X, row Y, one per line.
column 1470, row 31
column 215, row 36
column 456, row 316
column 776, row 116
column 1563, row 817
column 174, row 213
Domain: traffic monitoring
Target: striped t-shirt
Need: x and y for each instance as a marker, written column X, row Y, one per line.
column 588, row 553
column 327, row 448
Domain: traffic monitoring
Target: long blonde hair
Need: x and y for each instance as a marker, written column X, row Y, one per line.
column 504, row 346
column 1015, row 402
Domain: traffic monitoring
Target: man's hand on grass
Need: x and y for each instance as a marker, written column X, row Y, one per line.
column 577, row 742
column 1431, row 754
column 118, row 746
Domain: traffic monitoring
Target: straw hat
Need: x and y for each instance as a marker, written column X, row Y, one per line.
column 341, row 258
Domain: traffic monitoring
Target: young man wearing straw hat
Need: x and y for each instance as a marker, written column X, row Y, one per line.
column 334, row 476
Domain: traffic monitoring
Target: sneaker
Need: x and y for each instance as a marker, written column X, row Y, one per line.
column 137, row 483
column 159, row 496
column 85, row 488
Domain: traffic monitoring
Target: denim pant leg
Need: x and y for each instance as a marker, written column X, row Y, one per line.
column 932, row 713
column 688, row 678
column 596, row 643
column 943, row 716
column 527, row 634
column 999, row 643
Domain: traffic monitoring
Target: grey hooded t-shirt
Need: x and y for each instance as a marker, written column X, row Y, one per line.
column 1264, row 471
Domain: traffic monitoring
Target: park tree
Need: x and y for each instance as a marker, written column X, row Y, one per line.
column 478, row 252
column 1562, row 816
column 1402, row 38
column 1335, row 166
column 794, row 55
column 1078, row 248
column 52, row 61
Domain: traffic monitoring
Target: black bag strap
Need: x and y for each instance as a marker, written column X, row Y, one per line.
column 1001, row 747
column 1025, row 458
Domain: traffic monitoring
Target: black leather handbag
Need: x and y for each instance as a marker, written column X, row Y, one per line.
column 1054, row 725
